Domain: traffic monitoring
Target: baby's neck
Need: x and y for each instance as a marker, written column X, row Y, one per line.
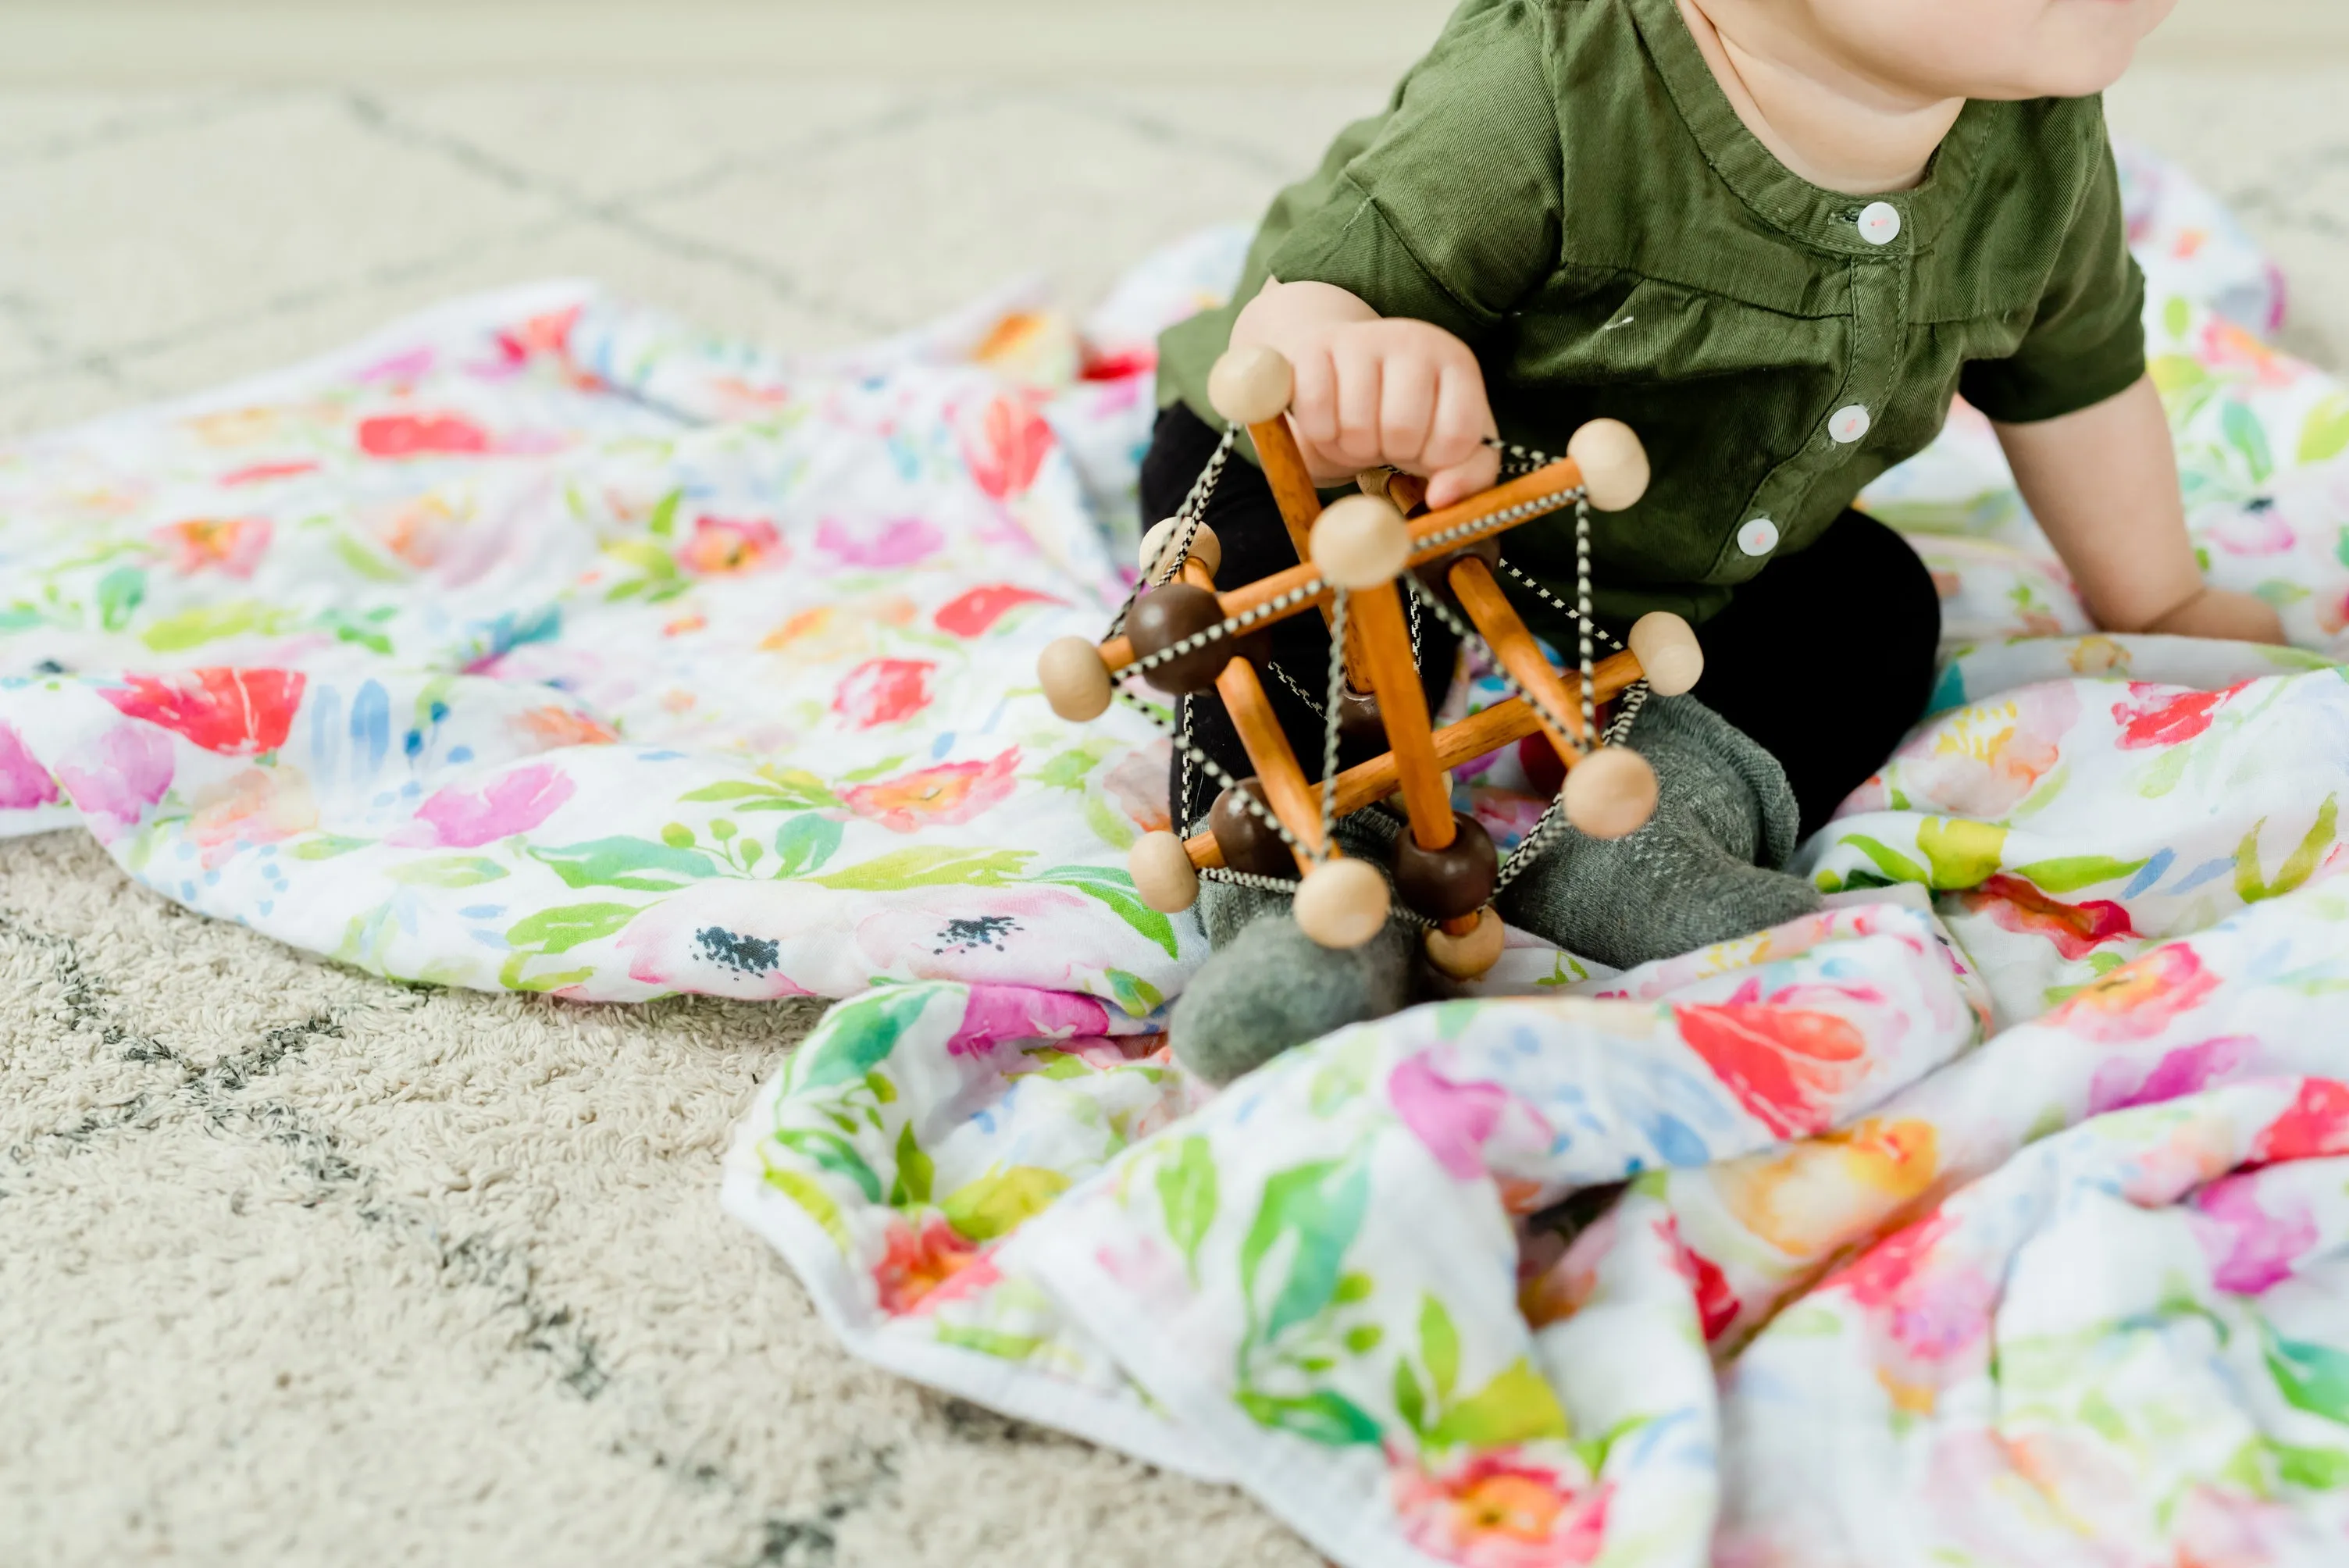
column 1819, row 115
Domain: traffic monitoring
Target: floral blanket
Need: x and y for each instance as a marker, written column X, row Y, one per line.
column 1998, row 1214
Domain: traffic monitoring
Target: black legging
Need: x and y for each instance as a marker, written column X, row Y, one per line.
column 1857, row 605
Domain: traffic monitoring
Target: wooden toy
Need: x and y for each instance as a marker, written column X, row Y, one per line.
column 1357, row 559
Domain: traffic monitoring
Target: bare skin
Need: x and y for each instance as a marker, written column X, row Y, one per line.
column 1854, row 96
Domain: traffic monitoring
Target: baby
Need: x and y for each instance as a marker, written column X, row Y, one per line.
column 1775, row 237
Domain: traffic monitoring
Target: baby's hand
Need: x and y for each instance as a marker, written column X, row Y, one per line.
column 1394, row 392
column 2224, row 614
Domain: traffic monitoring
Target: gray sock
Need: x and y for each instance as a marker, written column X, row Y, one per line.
column 1702, row 872
column 1269, row 986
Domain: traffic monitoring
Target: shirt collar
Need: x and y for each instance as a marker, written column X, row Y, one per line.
column 1776, row 194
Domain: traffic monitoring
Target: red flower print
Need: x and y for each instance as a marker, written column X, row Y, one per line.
column 883, row 691
column 2315, row 1126
column 975, row 611
column 234, row 544
column 1010, row 445
column 2075, row 929
column 2139, row 999
column 946, row 795
column 2154, row 718
column 237, row 713
column 723, row 546
column 1784, row 1064
column 420, row 435
column 1717, row 1304
column 1501, row 1511
column 918, row 1263
column 259, row 473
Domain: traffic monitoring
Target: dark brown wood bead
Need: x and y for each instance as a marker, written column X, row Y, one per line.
column 1249, row 842
column 1438, row 574
column 1455, row 881
column 1164, row 617
column 1358, row 716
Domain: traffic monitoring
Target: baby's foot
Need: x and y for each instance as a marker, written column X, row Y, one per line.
column 1690, row 878
column 1270, row 988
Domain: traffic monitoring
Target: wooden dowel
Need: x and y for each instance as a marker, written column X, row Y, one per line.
column 1560, row 476
column 1408, row 493
column 1505, row 633
column 1295, row 803
column 1480, row 734
column 1464, row 924
column 1291, row 481
column 1195, row 573
column 1403, row 705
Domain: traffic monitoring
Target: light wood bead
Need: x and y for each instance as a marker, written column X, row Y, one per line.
column 1342, row 903
column 1075, row 680
column 1612, row 793
column 1668, row 651
column 1251, row 386
column 1162, row 872
column 1470, row 956
column 1361, row 541
column 1206, row 548
column 1614, row 464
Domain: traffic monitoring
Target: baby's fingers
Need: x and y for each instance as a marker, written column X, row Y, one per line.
column 1462, row 479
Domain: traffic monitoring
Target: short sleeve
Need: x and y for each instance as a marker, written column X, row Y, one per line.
column 2087, row 342
column 1449, row 213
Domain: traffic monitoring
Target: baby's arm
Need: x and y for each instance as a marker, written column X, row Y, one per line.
column 1375, row 392
column 2103, row 482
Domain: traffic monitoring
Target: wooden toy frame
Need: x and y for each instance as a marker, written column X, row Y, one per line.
column 1356, row 559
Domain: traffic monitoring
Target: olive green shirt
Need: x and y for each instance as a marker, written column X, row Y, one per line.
column 1564, row 185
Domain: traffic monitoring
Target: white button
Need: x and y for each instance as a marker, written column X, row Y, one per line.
column 1879, row 222
column 1848, row 424
column 1759, row 537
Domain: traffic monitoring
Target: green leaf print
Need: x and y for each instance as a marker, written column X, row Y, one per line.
column 326, row 846
column 2325, row 436
column 1325, row 1418
column 1134, row 996
column 644, row 556
column 1068, row 770
column 2176, row 315
column 811, row 1199
column 459, row 870
column 1439, row 1347
column 663, row 520
column 1409, row 1403
column 834, row 1153
column 1000, row 1202
column 2176, row 373
column 2317, row 1469
column 1963, row 853
column 207, row 624
column 637, row 864
column 1889, row 860
column 2298, row 866
column 119, row 593
column 858, row 1037
column 1318, row 1208
column 2311, row 1376
column 929, row 865
column 916, row 1170
column 2072, row 873
column 1186, row 1197
column 2249, row 439
column 1115, row 888
column 572, row 925
column 804, row 843
column 775, row 789
column 1517, row 1406
column 990, row 1342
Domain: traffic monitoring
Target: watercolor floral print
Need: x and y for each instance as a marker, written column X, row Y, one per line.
column 538, row 643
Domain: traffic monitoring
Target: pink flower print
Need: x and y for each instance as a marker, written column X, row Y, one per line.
column 464, row 819
column 901, row 541
column 917, row 1261
column 261, row 473
column 2227, row 347
column 1934, row 1309
column 883, row 691
column 2118, row 1083
column 258, row 806
column 1451, row 1120
column 421, row 436
column 970, row 615
column 23, row 782
column 2139, row 999
column 1501, row 1509
column 116, row 780
column 2315, row 1125
column 2249, row 1248
column 1137, row 782
column 722, row 547
column 994, row 1015
column 2157, row 716
column 947, row 795
column 234, row 544
column 1008, row 447
column 1983, row 760
column 2077, row 929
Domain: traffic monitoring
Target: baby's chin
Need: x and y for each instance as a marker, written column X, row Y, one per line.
column 2008, row 49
